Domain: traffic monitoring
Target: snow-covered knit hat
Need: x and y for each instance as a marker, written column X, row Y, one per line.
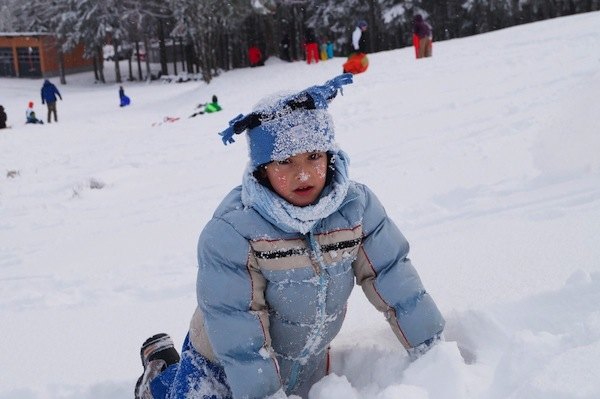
column 282, row 126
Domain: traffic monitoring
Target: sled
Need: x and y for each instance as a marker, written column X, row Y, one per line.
column 125, row 101
column 167, row 119
column 356, row 63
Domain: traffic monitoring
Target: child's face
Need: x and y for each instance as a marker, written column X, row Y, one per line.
column 300, row 178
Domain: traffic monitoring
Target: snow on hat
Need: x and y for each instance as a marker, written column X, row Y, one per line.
column 283, row 126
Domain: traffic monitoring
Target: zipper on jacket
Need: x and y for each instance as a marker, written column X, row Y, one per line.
column 314, row 255
column 316, row 258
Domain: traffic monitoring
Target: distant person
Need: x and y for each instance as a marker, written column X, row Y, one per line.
column 422, row 37
column 123, row 99
column 357, row 60
column 30, row 116
column 255, row 56
column 49, row 93
column 284, row 48
column 360, row 37
column 3, row 118
column 323, row 50
column 329, row 48
column 311, row 47
column 208, row 108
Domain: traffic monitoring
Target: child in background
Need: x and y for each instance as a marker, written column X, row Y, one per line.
column 124, row 100
column 30, row 115
column 329, row 47
column 278, row 261
column 208, row 108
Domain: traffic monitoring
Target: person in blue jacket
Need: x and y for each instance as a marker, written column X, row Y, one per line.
column 278, row 261
column 49, row 93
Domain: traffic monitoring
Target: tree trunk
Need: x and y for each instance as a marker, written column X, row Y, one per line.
column 95, row 63
column 182, row 53
column 100, row 57
column 139, row 63
column 148, row 70
column 162, row 50
column 174, row 51
column 61, row 65
column 131, row 78
column 116, row 59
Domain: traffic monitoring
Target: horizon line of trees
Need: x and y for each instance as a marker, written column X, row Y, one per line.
column 210, row 36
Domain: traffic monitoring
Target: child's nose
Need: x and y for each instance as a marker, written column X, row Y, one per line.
column 302, row 175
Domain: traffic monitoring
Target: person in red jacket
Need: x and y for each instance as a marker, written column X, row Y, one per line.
column 255, row 56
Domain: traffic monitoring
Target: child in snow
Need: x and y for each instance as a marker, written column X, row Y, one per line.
column 278, row 261
column 30, row 115
column 123, row 99
column 2, row 118
column 208, row 108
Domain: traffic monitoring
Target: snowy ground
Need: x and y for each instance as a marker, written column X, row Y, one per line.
column 486, row 155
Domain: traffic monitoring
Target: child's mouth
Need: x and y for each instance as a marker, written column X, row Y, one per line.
column 303, row 190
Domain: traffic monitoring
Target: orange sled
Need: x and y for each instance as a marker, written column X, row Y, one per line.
column 357, row 63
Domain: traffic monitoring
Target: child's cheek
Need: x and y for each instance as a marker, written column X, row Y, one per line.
column 321, row 171
column 282, row 180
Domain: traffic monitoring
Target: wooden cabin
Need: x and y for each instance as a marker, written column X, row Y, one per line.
column 35, row 55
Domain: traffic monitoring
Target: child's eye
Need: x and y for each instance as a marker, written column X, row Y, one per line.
column 284, row 162
column 315, row 156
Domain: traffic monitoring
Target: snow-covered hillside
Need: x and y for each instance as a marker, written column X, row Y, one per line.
column 486, row 155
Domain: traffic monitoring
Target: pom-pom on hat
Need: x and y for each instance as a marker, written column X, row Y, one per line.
column 289, row 125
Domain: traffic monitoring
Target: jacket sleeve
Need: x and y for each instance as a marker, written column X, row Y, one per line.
column 231, row 295
column 390, row 281
column 356, row 35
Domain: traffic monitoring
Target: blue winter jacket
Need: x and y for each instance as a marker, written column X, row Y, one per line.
column 274, row 280
column 49, row 92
